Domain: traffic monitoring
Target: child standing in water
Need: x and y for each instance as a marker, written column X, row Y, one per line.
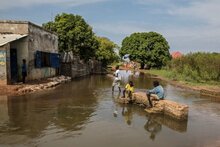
column 117, row 79
column 129, row 89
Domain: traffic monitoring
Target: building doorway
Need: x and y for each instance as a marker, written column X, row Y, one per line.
column 14, row 67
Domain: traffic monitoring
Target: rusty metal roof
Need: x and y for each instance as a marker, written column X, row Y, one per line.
column 6, row 38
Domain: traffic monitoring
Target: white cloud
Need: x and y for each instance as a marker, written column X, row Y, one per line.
column 156, row 2
column 201, row 33
column 184, row 39
column 206, row 10
column 120, row 28
column 193, row 39
column 8, row 4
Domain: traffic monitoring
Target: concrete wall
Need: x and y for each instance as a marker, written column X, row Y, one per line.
column 22, row 53
column 14, row 27
column 3, row 65
column 40, row 40
column 78, row 68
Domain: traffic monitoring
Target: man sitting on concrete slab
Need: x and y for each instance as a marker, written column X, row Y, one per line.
column 157, row 93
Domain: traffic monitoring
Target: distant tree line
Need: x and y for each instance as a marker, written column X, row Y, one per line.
column 148, row 48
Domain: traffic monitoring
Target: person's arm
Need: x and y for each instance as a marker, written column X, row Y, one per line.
column 152, row 91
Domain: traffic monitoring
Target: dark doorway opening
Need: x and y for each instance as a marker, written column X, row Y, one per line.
column 14, row 67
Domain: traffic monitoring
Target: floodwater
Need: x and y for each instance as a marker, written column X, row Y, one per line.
column 83, row 113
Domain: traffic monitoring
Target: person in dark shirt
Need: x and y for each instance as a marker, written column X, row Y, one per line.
column 24, row 70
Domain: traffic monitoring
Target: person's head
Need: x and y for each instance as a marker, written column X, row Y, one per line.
column 117, row 67
column 156, row 83
column 24, row 61
column 131, row 83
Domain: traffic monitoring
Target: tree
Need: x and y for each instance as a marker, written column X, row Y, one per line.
column 105, row 53
column 150, row 48
column 74, row 35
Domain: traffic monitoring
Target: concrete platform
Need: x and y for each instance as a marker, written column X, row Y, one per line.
column 166, row 107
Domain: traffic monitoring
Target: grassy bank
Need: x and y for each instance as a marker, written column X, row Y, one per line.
column 170, row 75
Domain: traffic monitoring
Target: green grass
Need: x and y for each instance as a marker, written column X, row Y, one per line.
column 178, row 77
column 163, row 73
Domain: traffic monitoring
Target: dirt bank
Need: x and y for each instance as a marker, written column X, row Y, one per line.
column 9, row 89
column 212, row 91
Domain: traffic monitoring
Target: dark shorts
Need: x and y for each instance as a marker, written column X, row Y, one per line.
column 24, row 74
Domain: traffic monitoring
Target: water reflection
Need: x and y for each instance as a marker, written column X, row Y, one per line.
column 67, row 109
column 71, row 114
column 174, row 124
column 153, row 127
column 127, row 114
column 136, row 74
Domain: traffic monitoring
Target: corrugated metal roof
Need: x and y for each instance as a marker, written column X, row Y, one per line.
column 6, row 38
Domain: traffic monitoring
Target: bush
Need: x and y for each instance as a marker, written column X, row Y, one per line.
column 198, row 67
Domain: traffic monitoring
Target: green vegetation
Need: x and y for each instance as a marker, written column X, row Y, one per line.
column 105, row 52
column 195, row 68
column 74, row 35
column 77, row 36
column 149, row 49
column 199, row 67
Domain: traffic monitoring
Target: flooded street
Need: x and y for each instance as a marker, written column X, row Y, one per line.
column 83, row 113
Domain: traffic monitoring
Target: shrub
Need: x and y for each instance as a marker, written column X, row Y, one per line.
column 198, row 67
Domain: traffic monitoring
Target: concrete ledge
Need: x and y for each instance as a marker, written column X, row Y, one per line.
column 167, row 107
column 36, row 87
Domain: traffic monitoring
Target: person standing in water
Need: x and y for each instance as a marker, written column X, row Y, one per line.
column 117, row 79
column 24, row 70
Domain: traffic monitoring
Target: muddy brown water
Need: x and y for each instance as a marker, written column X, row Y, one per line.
column 83, row 113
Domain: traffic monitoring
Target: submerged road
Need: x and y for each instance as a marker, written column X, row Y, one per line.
column 83, row 113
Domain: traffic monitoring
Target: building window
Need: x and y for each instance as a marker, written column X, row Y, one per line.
column 45, row 59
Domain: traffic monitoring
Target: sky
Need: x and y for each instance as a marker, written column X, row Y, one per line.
column 187, row 25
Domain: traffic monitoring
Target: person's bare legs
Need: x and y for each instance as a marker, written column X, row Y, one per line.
column 123, row 93
column 149, row 100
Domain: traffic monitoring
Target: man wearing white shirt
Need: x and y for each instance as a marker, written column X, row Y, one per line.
column 117, row 79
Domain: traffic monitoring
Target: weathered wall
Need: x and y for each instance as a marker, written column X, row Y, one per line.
column 3, row 66
column 14, row 27
column 22, row 53
column 66, row 69
column 40, row 40
column 78, row 68
column 8, row 64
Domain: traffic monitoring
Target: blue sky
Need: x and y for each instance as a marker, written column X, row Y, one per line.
column 188, row 25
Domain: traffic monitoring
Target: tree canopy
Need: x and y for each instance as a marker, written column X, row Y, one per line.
column 105, row 52
column 74, row 35
column 148, row 48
